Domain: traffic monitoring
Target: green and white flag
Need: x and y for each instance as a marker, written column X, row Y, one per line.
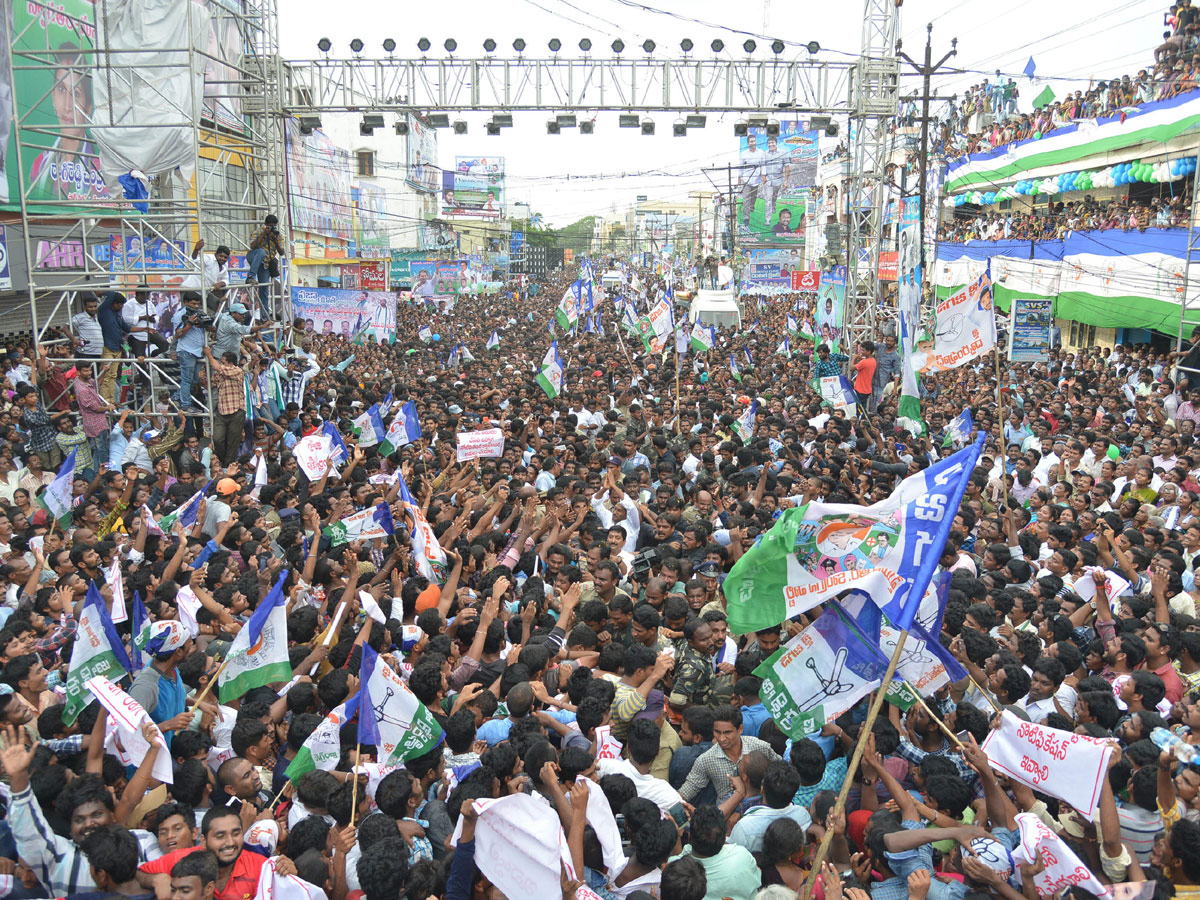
column 703, row 338
column 97, row 651
column 375, row 522
column 323, row 748
column 550, row 378
column 567, row 313
column 389, row 714
column 493, row 341
column 56, row 499
column 258, row 655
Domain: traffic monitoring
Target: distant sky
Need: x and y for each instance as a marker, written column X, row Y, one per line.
column 1070, row 40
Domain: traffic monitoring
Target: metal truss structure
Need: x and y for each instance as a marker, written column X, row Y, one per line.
column 874, row 103
column 236, row 144
column 621, row 84
column 1189, row 297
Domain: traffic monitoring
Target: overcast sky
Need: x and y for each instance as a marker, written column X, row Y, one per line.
column 1069, row 40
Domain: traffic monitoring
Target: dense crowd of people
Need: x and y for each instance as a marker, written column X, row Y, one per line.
column 575, row 647
column 1067, row 217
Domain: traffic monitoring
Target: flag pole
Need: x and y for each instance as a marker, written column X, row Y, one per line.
column 354, row 780
column 940, row 724
column 859, row 747
column 208, row 687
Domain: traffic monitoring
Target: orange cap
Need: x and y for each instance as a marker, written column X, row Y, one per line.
column 428, row 598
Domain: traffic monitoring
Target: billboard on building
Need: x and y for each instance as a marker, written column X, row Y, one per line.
column 318, row 184
column 369, row 314
column 423, row 173
column 370, row 221
column 769, row 271
column 474, row 189
column 775, row 173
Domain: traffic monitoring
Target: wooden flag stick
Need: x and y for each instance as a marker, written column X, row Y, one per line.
column 940, row 724
column 211, row 682
column 859, row 747
column 354, row 780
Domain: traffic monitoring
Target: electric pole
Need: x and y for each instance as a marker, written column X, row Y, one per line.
column 926, row 71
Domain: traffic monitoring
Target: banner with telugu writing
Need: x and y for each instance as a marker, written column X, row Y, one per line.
column 484, row 443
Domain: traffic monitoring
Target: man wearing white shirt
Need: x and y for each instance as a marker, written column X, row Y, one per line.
column 214, row 269
column 628, row 519
column 641, row 745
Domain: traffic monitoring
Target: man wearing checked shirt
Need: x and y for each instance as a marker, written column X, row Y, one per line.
column 828, row 365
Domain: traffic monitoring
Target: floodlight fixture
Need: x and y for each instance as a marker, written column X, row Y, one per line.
column 618, row 46
column 370, row 121
column 493, row 129
column 585, row 44
column 686, row 45
column 740, row 128
column 588, row 126
column 758, row 121
column 402, row 127
column 451, row 45
column 679, row 128
column 519, row 45
column 423, row 45
column 460, row 127
column 749, row 45
column 695, row 121
column 309, row 124
column 648, row 45
column 555, row 45
column 439, row 120
column 489, row 46
column 324, row 45
column 504, row 120
column 773, row 128
column 816, row 123
column 647, row 126
column 629, row 121
column 717, row 45
column 776, row 46
column 565, row 120
column 813, row 47
column 389, row 45
column 552, row 127
column 356, row 45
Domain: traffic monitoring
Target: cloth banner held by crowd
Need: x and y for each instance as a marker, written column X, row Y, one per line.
column 816, row 551
column 1063, row 870
column 390, row 717
column 129, row 716
column 97, row 651
column 367, row 525
column 485, row 443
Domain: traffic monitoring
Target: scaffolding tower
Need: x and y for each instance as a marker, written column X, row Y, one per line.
column 225, row 127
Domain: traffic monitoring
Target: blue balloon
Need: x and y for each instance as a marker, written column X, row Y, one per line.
column 436, row 337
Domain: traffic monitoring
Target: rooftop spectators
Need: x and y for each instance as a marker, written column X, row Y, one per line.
column 1087, row 214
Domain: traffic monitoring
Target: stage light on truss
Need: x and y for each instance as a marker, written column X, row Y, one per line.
column 555, row 45
column 717, row 45
column 686, row 45
column 324, row 45
column 695, row 121
column 813, row 47
column 831, row 130
column 504, row 120
column 552, row 127
column 618, row 46
column 439, row 120
column 773, row 128
column 370, row 121
column 629, row 121
column 423, row 45
column 585, row 44
column 402, row 127
column 679, row 128
column 451, row 45
column 389, row 45
column 740, row 128
column 460, row 126
column 816, row 123
column 493, row 129
column 749, row 45
column 519, row 45
column 588, row 126
column 489, row 46
column 309, row 124
column 356, row 45
column 647, row 126
column 758, row 121
column 648, row 45
column 776, row 46
column 565, row 120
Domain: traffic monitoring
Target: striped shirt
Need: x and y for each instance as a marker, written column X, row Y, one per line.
column 714, row 767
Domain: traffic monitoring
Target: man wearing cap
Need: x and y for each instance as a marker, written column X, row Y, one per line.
column 216, row 509
column 158, row 687
column 137, row 451
column 231, row 326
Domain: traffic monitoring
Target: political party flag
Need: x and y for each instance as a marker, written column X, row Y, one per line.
column 838, row 392
column 807, row 331
column 371, row 607
column 405, row 428
column 493, row 342
column 703, row 338
column 1045, row 98
column 375, row 522
column 140, row 633
column 784, row 348
column 958, row 432
column 734, row 369
column 908, row 408
column 273, row 886
column 743, row 425
column 259, row 653
column 97, row 651
column 425, row 334
column 389, row 716
column 1030, row 68
column 465, row 353
column 453, row 362
column 323, row 748
column 342, row 366
column 819, row 674
column 749, row 359
column 56, row 499
column 385, row 405
column 260, row 474
column 337, row 445
column 792, row 327
column 117, row 582
column 428, row 554
column 185, row 515
column 152, row 525
column 550, row 378
column 888, row 550
column 567, row 313
column 753, row 328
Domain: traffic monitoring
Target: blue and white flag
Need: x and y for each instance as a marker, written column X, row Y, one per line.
column 743, row 425
column 425, row 334
column 493, row 341
column 404, row 430
column 373, row 522
column 337, row 446
column 792, row 326
column 141, row 623
column 734, row 368
column 784, row 348
column 186, row 514
column 958, row 432
column 889, row 550
column 56, row 499
column 838, row 392
column 390, row 717
column 1030, row 68
column 258, row 655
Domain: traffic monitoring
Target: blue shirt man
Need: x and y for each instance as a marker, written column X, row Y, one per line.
column 112, row 325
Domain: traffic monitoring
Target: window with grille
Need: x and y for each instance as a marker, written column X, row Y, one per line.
column 366, row 162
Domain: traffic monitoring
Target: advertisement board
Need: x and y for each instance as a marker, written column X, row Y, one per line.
column 373, row 274
column 769, row 271
column 371, row 314
column 775, row 175
column 1032, row 319
column 831, row 302
column 422, row 172
column 318, row 184
column 474, row 189
column 370, row 221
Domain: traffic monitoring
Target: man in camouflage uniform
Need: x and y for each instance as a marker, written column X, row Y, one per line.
column 694, row 670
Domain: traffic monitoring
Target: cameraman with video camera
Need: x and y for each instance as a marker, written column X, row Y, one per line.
column 190, row 322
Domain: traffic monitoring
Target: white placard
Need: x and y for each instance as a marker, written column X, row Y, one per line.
column 130, row 716
column 482, row 444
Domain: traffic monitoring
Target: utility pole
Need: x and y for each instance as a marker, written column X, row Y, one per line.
column 732, row 215
column 926, row 71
